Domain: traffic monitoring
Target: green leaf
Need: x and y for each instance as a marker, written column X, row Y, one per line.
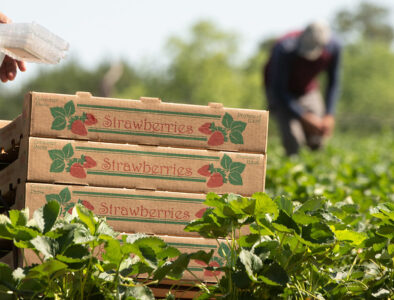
column 57, row 166
column 236, row 137
column 238, row 126
column 138, row 292
column 235, row 178
column 65, row 195
column 74, row 253
column 68, row 150
column 237, row 167
column 46, row 246
column 265, row 205
column 58, row 112
column 6, row 278
column 56, row 154
column 284, row 204
column 48, row 268
column 86, row 216
column 275, row 275
column 227, row 120
column 318, row 233
column 59, row 123
column 226, row 162
column 353, row 237
column 286, row 223
column 46, row 216
column 18, row 217
column 69, row 108
column 252, row 263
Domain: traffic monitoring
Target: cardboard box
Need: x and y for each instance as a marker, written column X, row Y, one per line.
column 126, row 210
column 134, row 166
column 146, row 121
column 184, row 245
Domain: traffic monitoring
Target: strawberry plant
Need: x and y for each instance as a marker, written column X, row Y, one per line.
column 64, row 117
column 230, row 130
column 277, row 248
column 81, row 257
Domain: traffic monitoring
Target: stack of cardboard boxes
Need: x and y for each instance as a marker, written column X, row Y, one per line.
column 143, row 164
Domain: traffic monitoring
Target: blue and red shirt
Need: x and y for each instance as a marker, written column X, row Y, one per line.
column 287, row 75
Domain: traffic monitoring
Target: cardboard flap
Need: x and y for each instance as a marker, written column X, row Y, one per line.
column 215, row 105
column 83, row 94
column 150, row 100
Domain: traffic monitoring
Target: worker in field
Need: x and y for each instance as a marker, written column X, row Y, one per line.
column 292, row 89
column 9, row 66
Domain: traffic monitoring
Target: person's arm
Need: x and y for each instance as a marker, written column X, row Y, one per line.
column 332, row 91
column 9, row 66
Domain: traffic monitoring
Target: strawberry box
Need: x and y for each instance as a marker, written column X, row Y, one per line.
column 147, row 121
column 126, row 210
column 135, row 166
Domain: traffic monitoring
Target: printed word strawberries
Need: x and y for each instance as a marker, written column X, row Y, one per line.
column 65, row 117
column 64, row 160
column 229, row 171
column 219, row 134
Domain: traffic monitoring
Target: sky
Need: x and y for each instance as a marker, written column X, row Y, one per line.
column 137, row 30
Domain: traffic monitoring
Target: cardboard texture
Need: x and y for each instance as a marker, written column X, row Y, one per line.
column 126, row 210
column 145, row 121
column 134, row 166
column 184, row 245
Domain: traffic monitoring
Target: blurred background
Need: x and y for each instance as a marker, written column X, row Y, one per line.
column 202, row 51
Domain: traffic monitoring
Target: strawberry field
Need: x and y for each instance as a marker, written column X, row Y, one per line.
column 323, row 230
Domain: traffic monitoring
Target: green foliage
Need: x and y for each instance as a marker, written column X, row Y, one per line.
column 69, row 252
column 296, row 250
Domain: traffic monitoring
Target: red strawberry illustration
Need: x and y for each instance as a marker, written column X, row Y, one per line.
column 204, row 171
column 205, row 128
column 87, row 204
column 216, row 180
column 89, row 162
column 201, row 212
column 216, row 139
column 212, row 273
column 70, row 211
column 90, row 119
column 77, row 170
column 79, row 128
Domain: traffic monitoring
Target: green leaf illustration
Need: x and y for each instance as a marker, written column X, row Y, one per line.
column 68, row 150
column 57, row 166
column 236, row 137
column 53, row 197
column 235, row 178
column 56, row 154
column 226, row 162
column 58, row 112
column 69, row 108
column 237, row 167
column 65, row 195
column 238, row 126
column 227, row 120
column 59, row 123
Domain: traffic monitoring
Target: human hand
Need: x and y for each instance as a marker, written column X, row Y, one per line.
column 328, row 124
column 312, row 123
column 9, row 66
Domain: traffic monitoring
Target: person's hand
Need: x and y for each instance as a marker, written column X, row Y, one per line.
column 312, row 123
column 8, row 68
column 328, row 124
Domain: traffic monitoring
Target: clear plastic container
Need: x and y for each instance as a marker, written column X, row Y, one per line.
column 31, row 42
